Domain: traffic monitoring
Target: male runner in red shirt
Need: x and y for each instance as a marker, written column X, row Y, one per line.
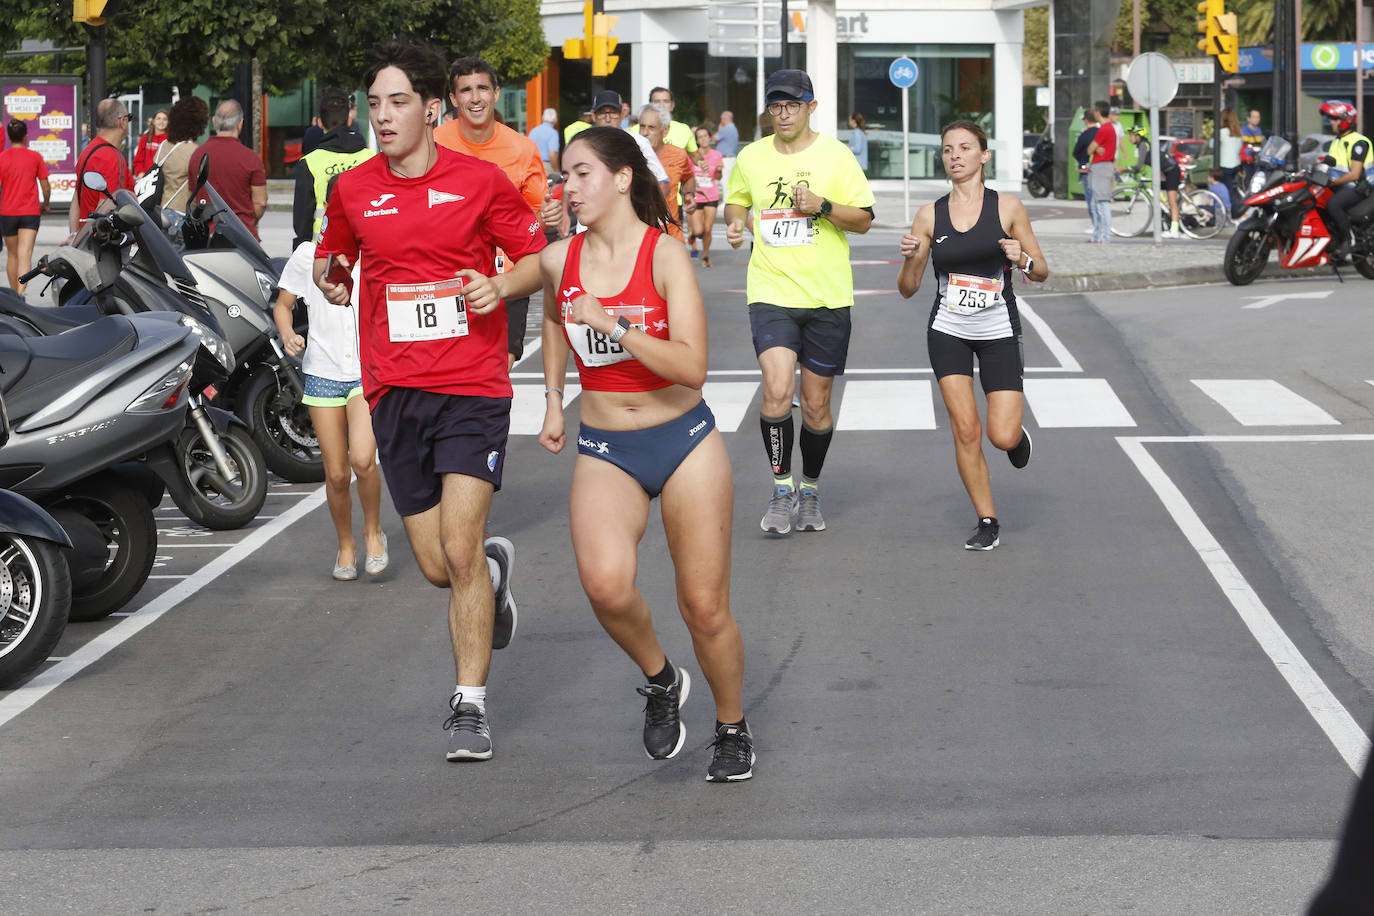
column 426, row 222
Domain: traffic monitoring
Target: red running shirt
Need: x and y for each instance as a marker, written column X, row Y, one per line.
column 20, row 170
column 413, row 235
column 602, row 365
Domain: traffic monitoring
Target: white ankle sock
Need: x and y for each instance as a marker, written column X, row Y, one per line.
column 477, row 696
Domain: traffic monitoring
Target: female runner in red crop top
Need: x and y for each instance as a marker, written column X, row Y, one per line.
column 624, row 298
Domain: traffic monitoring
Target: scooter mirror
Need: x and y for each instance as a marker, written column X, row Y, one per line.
column 94, row 181
column 130, row 215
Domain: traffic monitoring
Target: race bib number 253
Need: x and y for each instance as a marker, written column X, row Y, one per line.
column 426, row 311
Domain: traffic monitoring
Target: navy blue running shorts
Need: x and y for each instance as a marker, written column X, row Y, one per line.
column 650, row 455
column 819, row 337
column 1000, row 361
column 423, row 435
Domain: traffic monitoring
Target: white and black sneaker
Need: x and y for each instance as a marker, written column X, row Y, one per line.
column 502, row 552
column 985, row 538
column 732, row 754
column 1020, row 454
column 664, row 732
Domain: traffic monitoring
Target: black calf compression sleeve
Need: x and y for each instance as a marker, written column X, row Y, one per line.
column 814, row 445
column 777, row 442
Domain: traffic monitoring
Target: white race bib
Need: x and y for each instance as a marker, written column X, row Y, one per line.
column 596, row 350
column 785, row 227
column 966, row 294
column 426, row 311
column 705, row 182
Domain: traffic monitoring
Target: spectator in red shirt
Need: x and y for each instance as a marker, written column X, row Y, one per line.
column 102, row 155
column 236, row 172
column 1102, row 173
column 150, row 142
column 21, row 172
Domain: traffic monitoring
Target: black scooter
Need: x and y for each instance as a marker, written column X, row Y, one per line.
column 1039, row 175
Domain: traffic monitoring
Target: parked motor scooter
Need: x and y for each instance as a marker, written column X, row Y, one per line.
column 240, row 282
column 1039, row 175
column 35, row 584
column 217, row 477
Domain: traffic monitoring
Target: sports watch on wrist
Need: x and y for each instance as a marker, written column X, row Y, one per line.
column 826, row 207
column 622, row 326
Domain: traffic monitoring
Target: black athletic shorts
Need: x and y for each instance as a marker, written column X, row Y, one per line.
column 1168, row 184
column 819, row 337
column 423, row 435
column 10, row 225
column 517, row 313
column 1000, row 361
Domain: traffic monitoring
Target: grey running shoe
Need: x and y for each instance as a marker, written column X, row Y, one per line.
column 985, row 538
column 782, row 508
column 732, row 754
column 663, row 728
column 502, row 552
column 809, row 516
column 1019, row 454
column 469, row 732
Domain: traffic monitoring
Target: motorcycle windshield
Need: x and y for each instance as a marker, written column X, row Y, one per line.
column 1274, row 152
column 230, row 232
column 155, row 252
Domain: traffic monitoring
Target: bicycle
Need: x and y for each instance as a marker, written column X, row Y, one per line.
column 1201, row 213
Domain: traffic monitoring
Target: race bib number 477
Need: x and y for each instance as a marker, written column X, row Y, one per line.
column 426, row 311
column 785, row 227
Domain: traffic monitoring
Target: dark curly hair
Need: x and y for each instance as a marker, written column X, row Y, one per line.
column 617, row 149
column 187, row 119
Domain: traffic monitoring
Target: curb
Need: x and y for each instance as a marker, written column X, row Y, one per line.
column 1181, row 276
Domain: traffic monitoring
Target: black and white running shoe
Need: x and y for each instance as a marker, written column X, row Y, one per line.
column 1020, row 453
column 985, row 538
column 502, row 552
column 663, row 728
column 732, row 754
column 469, row 731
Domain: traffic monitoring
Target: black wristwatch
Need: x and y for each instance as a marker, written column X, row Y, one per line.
column 826, row 207
column 622, row 326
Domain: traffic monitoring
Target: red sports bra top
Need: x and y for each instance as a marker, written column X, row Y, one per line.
column 601, row 364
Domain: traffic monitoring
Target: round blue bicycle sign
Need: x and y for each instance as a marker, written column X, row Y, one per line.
column 903, row 72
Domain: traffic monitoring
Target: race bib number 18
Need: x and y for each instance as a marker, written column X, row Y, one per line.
column 785, row 227
column 426, row 311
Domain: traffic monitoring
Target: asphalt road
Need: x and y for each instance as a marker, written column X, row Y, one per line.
column 1149, row 698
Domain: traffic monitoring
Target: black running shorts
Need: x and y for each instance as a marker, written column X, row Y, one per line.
column 423, row 435
column 1000, row 361
column 819, row 337
column 517, row 313
column 10, row 225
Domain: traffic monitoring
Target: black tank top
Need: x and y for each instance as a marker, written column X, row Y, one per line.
column 981, row 304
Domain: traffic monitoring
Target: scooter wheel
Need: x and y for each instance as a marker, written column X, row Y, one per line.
column 125, row 523
column 283, row 432
column 202, row 493
column 1037, row 188
column 35, row 599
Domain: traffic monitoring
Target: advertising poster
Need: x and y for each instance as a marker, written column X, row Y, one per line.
column 48, row 105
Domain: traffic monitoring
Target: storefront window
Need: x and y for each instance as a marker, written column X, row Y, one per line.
column 704, row 86
column 956, row 81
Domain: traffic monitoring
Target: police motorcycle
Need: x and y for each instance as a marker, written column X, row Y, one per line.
column 240, row 281
column 86, row 402
column 212, row 469
column 35, row 584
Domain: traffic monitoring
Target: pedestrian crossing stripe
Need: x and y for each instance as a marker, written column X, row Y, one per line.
column 1264, row 402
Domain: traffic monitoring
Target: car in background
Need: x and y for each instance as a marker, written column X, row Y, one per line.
column 1312, row 148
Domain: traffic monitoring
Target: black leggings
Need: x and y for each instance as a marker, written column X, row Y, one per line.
column 1341, row 200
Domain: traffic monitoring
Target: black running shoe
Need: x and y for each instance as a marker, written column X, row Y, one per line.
column 502, row 551
column 663, row 728
column 985, row 538
column 1019, row 454
column 732, row 754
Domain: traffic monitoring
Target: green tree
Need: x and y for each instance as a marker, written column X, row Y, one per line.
column 1322, row 20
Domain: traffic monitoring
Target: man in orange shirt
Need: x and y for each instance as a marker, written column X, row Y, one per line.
column 473, row 91
column 653, row 124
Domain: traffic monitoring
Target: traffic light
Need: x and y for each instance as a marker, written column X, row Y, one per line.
column 93, row 12
column 603, row 43
column 1207, row 25
column 578, row 48
column 1228, row 42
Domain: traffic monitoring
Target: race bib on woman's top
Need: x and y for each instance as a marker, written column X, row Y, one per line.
column 785, row 227
column 966, row 294
column 594, row 349
column 426, row 311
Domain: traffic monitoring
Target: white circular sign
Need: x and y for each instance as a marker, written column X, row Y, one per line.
column 1152, row 79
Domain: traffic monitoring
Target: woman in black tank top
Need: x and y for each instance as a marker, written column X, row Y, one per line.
column 976, row 238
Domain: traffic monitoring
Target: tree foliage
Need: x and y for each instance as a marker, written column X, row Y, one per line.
column 201, row 41
column 1170, row 26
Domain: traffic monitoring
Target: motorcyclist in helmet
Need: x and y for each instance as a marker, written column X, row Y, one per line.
column 1354, row 156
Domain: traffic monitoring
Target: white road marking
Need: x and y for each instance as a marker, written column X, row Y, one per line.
column 1066, row 361
column 49, row 679
column 1261, row 302
column 527, row 408
column 1075, row 402
column 1334, row 719
column 729, row 401
column 1264, row 402
column 170, row 577
column 904, row 404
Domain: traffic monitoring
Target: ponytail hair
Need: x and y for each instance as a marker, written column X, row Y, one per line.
column 616, row 149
